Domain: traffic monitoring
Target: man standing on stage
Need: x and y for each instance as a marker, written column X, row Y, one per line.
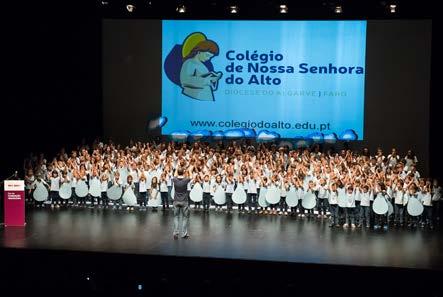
column 181, row 208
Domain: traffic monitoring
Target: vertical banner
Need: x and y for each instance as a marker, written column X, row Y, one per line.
column 14, row 203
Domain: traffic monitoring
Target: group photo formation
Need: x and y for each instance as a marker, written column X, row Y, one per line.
column 221, row 147
column 348, row 188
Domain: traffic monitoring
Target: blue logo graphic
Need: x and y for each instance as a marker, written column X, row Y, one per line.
column 189, row 66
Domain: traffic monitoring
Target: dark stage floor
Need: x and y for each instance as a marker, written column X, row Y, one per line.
column 219, row 235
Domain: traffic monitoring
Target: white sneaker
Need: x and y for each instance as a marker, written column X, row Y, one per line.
column 353, row 225
column 345, row 226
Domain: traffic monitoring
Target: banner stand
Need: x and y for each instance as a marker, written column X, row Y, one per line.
column 14, row 203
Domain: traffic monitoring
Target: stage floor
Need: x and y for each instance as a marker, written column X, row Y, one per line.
column 220, row 235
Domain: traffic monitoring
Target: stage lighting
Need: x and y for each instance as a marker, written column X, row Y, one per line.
column 181, row 8
column 130, row 7
column 338, row 9
column 104, row 2
column 392, row 8
column 233, row 9
column 283, row 8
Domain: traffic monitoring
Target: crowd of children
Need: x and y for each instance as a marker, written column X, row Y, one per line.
column 148, row 169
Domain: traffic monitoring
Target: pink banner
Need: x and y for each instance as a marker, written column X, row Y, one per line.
column 14, row 203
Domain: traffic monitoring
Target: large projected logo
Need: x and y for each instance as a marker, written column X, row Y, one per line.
column 189, row 66
column 297, row 79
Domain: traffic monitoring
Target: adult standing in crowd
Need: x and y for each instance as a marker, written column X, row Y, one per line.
column 181, row 207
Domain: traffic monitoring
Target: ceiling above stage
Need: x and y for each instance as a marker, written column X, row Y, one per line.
column 265, row 9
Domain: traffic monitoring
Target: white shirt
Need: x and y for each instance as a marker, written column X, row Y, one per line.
column 134, row 174
column 104, row 185
column 169, row 181
column 308, row 190
column 399, row 197
column 389, row 191
column 142, row 186
column 36, row 182
column 322, row 192
column 229, row 187
column 350, row 199
column 244, row 185
column 407, row 196
column 154, row 193
column 123, row 175
column 55, row 183
column 206, row 187
column 409, row 162
column 215, row 186
column 333, row 197
column 357, row 194
column 300, row 193
column 117, row 182
column 436, row 193
column 306, row 181
column 132, row 186
column 148, row 179
column 283, row 191
column 29, row 180
column 366, row 198
column 163, row 186
column 91, row 178
column 426, row 199
column 252, row 186
column 392, row 160
column 416, row 174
